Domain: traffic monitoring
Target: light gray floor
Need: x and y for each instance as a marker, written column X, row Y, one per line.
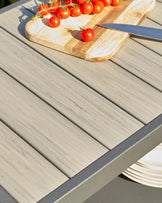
column 122, row 190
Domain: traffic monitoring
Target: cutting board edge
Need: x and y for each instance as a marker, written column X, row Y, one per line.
column 82, row 55
column 99, row 59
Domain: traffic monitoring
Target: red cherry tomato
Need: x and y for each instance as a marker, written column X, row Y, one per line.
column 107, row 2
column 101, row 4
column 54, row 10
column 69, row 2
column 75, row 11
column 116, row 2
column 97, row 8
column 87, row 35
column 87, row 8
column 43, row 6
column 80, row 1
column 63, row 12
column 54, row 21
column 94, row 1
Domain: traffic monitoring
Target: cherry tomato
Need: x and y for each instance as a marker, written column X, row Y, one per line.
column 87, row 8
column 43, row 6
column 94, row 1
column 101, row 4
column 97, row 8
column 80, row 1
column 107, row 2
column 69, row 2
column 116, row 2
column 87, row 35
column 75, row 11
column 63, row 12
column 54, row 21
column 54, row 10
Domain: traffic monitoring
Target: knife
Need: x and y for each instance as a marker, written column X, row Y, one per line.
column 148, row 32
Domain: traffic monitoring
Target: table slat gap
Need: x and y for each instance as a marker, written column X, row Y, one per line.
column 30, row 10
column 136, row 75
column 56, row 137
column 136, row 40
column 150, row 44
column 76, row 77
column 155, row 14
column 158, row 23
column 23, row 169
column 83, row 181
column 104, row 111
column 82, row 74
column 57, row 110
column 125, row 93
column 79, row 79
column 33, row 147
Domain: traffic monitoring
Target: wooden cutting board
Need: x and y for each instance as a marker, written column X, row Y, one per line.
column 66, row 38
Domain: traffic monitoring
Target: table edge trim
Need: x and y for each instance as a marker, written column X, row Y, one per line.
column 96, row 171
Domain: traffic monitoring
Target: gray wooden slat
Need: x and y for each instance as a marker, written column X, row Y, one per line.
column 105, row 77
column 59, row 58
column 82, row 186
column 149, row 69
column 24, row 173
column 64, row 144
column 149, row 65
column 151, row 44
column 155, row 14
column 154, row 45
column 33, row 5
column 86, row 108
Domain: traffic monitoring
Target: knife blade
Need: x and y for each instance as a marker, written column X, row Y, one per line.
column 148, row 32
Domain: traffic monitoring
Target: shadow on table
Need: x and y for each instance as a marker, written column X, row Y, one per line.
column 145, row 38
column 23, row 19
column 27, row 13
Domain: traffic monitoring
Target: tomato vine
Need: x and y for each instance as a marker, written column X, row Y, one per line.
column 74, row 8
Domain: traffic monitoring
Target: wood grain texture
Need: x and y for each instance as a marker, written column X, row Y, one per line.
column 25, row 106
column 106, row 77
column 155, row 15
column 153, row 45
column 66, row 145
column 85, row 107
column 66, row 38
column 24, row 173
column 149, row 65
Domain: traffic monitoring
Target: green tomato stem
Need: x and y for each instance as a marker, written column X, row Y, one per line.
column 61, row 6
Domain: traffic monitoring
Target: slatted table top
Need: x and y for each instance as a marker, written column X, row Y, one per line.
column 69, row 126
